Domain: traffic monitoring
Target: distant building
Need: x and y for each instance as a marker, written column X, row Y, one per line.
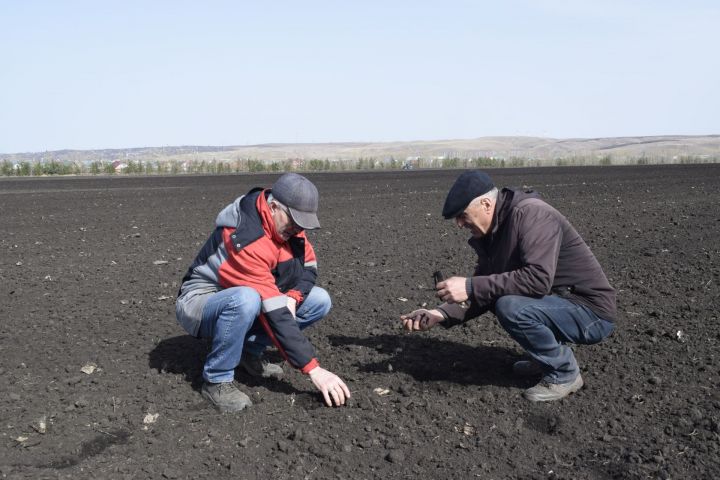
column 296, row 163
column 119, row 166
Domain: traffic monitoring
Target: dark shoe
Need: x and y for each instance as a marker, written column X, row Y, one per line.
column 548, row 392
column 225, row 396
column 527, row 368
column 259, row 367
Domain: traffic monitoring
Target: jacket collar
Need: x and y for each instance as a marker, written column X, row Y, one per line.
column 507, row 199
column 503, row 205
column 266, row 218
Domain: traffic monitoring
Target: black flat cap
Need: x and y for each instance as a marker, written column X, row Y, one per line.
column 467, row 187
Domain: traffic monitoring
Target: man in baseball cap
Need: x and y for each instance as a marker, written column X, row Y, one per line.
column 253, row 284
column 533, row 271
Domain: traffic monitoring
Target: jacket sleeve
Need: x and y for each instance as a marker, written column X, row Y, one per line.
column 283, row 330
column 539, row 239
column 456, row 314
column 249, row 267
column 309, row 275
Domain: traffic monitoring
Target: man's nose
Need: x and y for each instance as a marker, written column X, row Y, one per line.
column 459, row 222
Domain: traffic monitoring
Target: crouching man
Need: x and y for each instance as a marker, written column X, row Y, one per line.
column 536, row 274
column 253, row 284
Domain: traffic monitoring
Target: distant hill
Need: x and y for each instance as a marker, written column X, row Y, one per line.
column 667, row 148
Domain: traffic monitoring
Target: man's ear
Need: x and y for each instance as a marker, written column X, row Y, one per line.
column 487, row 204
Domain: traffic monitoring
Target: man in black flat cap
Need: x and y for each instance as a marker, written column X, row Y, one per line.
column 536, row 274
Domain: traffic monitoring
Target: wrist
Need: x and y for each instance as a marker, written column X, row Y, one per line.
column 312, row 366
column 295, row 295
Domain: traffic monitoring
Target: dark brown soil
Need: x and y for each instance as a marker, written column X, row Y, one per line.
column 89, row 268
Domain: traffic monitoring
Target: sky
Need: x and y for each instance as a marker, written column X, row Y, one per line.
column 123, row 74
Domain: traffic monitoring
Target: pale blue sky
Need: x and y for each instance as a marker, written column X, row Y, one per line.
column 117, row 74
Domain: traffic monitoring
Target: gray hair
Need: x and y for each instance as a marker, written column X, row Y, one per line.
column 270, row 198
column 492, row 195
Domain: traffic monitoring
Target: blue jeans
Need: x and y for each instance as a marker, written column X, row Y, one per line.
column 228, row 317
column 543, row 325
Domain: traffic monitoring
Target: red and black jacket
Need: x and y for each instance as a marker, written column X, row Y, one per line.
column 245, row 250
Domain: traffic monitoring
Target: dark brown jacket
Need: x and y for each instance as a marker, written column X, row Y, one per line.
column 532, row 250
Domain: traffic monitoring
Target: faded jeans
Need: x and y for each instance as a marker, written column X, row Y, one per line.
column 228, row 317
column 542, row 326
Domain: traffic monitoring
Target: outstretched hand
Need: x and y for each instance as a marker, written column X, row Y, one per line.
column 421, row 319
column 330, row 385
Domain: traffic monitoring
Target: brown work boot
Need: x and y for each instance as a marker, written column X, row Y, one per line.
column 548, row 392
column 260, row 367
column 225, row 396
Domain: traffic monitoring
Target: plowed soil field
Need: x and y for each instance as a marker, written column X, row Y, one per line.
column 99, row 381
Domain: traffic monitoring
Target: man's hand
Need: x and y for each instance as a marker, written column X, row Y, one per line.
column 452, row 290
column 421, row 319
column 332, row 387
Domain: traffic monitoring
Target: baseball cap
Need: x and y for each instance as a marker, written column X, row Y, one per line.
column 300, row 196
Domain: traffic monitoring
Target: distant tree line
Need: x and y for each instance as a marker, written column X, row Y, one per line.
column 26, row 169
column 213, row 166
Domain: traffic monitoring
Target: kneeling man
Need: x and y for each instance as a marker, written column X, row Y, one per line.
column 536, row 274
column 253, row 284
